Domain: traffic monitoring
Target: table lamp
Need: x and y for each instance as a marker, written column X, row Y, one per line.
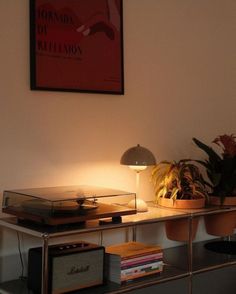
column 138, row 158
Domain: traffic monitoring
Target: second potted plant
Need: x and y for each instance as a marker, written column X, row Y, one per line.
column 179, row 185
column 221, row 171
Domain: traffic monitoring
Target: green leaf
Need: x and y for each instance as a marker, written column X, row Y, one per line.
column 174, row 194
column 204, row 163
column 210, row 152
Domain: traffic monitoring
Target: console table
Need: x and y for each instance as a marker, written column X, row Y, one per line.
column 197, row 259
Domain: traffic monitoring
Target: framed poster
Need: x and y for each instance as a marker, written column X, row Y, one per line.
column 76, row 45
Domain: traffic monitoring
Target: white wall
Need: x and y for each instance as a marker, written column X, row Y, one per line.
column 180, row 70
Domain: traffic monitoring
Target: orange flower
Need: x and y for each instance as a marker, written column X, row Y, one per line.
column 227, row 143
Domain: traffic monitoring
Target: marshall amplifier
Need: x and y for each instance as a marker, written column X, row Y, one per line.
column 70, row 267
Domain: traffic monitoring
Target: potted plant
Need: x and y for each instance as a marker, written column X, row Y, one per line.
column 221, row 171
column 179, row 185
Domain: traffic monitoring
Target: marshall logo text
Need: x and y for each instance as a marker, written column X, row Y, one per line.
column 76, row 270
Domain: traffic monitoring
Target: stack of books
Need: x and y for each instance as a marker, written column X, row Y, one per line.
column 132, row 260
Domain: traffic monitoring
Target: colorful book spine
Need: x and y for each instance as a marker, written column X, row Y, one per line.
column 140, row 275
column 144, row 259
column 141, row 264
column 140, row 254
column 144, row 267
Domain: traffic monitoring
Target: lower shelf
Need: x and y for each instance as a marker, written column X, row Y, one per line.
column 202, row 260
column 176, row 267
column 14, row 287
column 169, row 273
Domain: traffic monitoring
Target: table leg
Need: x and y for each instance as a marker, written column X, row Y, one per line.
column 44, row 285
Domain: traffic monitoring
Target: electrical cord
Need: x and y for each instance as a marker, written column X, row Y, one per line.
column 21, row 258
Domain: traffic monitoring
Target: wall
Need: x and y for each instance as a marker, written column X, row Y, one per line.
column 179, row 82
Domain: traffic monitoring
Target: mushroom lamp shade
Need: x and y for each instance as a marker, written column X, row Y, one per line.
column 138, row 158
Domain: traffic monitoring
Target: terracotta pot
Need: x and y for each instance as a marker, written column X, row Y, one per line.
column 182, row 204
column 214, row 200
column 209, row 220
column 220, row 224
column 178, row 229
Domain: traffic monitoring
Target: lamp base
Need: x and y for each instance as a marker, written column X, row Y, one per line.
column 140, row 205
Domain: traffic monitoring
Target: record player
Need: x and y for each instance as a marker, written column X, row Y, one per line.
column 67, row 204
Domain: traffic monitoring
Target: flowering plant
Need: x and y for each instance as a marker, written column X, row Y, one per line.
column 221, row 168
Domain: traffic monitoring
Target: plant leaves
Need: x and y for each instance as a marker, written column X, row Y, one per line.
column 210, row 152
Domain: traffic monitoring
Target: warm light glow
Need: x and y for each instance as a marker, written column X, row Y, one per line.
column 138, row 168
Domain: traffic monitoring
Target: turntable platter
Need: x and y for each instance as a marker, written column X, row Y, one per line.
column 58, row 207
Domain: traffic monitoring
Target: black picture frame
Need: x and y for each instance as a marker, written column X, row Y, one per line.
column 77, row 46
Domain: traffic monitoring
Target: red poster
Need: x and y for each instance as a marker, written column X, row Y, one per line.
column 77, row 45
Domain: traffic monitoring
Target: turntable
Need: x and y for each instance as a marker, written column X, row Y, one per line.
column 67, row 204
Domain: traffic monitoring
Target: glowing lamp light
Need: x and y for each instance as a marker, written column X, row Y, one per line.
column 138, row 158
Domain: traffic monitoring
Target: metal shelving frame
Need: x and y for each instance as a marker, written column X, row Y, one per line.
column 155, row 214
